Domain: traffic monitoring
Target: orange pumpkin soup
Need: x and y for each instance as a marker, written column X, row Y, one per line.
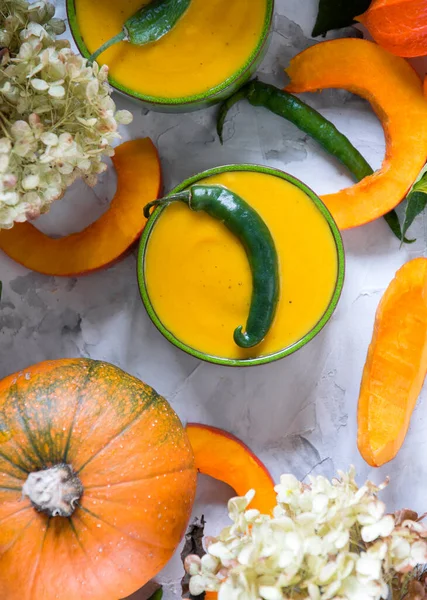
column 198, row 277
column 211, row 42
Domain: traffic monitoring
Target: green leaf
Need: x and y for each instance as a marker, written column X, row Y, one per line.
column 416, row 202
column 392, row 221
column 335, row 14
column 420, row 184
column 158, row 595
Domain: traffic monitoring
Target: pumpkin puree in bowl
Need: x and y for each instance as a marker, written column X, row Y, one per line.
column 198, row 277
column 211, row 42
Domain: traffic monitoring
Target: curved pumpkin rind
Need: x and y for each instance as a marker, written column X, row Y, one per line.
column 396, row 365
column 395, row 92
column 136, row 465
column 107, row 239
column 399, row 26
column 224, row 457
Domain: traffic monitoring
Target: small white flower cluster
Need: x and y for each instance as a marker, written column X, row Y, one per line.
column 57, row 119
column 327, row 540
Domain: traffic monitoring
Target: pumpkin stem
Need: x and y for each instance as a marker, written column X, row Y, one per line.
column 54, row 491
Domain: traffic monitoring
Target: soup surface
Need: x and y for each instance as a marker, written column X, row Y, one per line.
column 198, row 277
column 211, row 42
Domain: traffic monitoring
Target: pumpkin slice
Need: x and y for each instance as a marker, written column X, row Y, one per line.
column 396, row 365
column 107, row 239
column 396, row 94
column 222, row 456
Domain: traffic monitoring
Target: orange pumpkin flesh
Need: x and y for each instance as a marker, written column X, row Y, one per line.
column 136, row 466
column 399, row 26
column 224, row 457
column 395, row 91
column 107, row 239
column 395, row 366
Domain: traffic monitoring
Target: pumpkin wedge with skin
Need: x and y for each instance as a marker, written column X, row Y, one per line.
column 121, row 469
column 395, row 92
column 396, row 365
column 107, row 239
column 222, row 456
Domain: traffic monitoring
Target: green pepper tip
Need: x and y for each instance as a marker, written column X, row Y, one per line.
column 245, row 339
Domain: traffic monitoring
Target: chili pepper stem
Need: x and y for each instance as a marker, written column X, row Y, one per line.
column 114, row 40
column 241, row 94
column 179, row 196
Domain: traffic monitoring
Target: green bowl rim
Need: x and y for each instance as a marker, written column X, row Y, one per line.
column 208, row 95
column 238, row 362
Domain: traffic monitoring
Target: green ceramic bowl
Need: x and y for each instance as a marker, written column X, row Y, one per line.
column 261, row 359
column 198, row 101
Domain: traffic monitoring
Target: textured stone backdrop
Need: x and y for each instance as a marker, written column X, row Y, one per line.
column 298, row 414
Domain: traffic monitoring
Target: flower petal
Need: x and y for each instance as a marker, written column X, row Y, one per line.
column 39, row 84
column 383, row 528
column 56, row 91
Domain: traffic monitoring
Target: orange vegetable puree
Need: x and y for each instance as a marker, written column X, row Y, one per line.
column 198, row 277
column 211, row 42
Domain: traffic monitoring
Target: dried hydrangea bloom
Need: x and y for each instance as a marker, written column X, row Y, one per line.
column 57, row 118
column 325, row 540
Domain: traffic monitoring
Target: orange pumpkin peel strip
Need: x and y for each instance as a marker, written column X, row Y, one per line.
column 222, row 456
column 107, row 239
column 396, row 365
column 396, row 94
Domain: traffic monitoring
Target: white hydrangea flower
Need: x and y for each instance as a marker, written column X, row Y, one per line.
column 57, row 119
column 326, row 540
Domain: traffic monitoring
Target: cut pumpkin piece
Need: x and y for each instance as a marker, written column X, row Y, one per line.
column 222, row 456
column 399, row 26
column 395, row 92
column 396, row 365
column 107, row 239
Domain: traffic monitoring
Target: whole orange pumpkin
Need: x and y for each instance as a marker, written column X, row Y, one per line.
column 97, row 481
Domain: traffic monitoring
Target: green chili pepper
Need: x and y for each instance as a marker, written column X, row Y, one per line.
column 305, row 118
column 246, row 224
column 311, row 122
column 149, row 24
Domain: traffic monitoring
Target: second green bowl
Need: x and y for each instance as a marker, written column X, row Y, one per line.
column 191, row 102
